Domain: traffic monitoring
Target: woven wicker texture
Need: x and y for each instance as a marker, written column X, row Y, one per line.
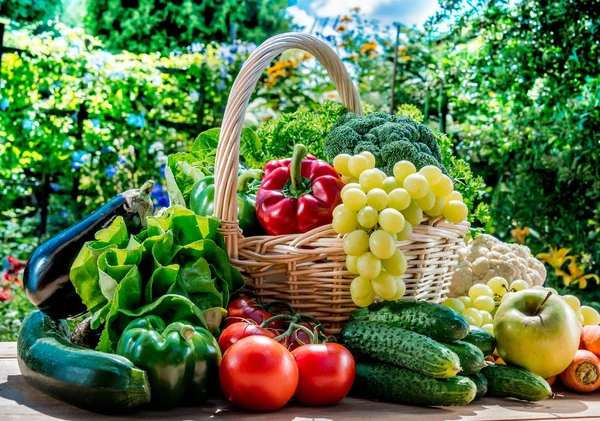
column 308, row 270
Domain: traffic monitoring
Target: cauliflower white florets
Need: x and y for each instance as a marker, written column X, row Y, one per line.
column 486, row 257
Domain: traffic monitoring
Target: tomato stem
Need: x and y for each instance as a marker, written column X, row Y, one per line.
column 311, row 335
column 289, row 317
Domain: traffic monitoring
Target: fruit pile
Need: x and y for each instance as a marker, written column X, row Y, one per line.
column 378, row 211
column 479, row 307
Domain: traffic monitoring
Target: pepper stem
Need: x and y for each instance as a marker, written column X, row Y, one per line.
column 187, row 332
column 300, row 153
column 245, row 177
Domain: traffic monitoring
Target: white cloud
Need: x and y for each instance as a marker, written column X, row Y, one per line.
column 301, row 18
column 331, row 8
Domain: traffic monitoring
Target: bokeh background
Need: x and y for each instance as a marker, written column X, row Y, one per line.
column 94, row 94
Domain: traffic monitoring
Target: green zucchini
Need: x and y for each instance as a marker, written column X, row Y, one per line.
column 436, row 321
column 482, row 339
column 481, row 383
column 400, row 347
column 471, row 358
column 514, row 382
column 398, row 385
column 86, row 378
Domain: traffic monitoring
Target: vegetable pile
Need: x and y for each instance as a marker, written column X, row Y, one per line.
column 420, row 353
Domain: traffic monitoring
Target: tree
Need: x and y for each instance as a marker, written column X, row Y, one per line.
column 143, row 26
column 24, row 11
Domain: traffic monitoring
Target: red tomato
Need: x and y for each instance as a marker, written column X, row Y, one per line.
column 258, row 374
column 326, row 373
column 237, row 331
column 245, row 308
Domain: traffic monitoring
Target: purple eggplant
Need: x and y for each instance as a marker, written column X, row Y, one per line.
column 46, row 277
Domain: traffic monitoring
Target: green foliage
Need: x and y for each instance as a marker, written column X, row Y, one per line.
column 145, row 26
column 306, row 126
column 25, row 11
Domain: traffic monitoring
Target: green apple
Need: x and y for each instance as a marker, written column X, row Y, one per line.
column 537, row 330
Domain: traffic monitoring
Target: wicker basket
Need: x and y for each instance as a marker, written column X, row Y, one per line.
column 308, row 270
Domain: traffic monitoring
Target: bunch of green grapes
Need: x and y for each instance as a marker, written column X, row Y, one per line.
column 372, row 229
column 480, row 306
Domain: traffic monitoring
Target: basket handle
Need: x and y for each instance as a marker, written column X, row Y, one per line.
column 228, row 149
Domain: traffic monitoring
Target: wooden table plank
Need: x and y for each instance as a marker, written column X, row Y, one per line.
column 20, row 402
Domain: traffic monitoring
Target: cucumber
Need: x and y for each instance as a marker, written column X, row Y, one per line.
column 400, row 347
column 481, row 383
column 434, row 320
column 514, row 382
column 398, row 385
column 86, row 378
column 482, row 339
column 471, row 358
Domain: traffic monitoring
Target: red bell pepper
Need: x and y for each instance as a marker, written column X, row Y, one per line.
column 297, row 194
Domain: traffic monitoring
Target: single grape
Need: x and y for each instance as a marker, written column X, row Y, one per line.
column 382, row 244
column 454, row 304
column 486, row 317
column 489, row 327
column 572, row 301
column 405, row 233
column 474, row 314
column 432, row 173
column 505, row 296
column 345, row 223
column 442, row 188
column 365, row 302
column 466, row 301
column 401, row 289
column 413, row 214
column 385, row 286
column 437, row 209
column 360, row 288
column 346, row 179
column 399, row 199
column 590, row 316
column 470, row 320
column 395, row 265
column 368, row 265
column 370, row 179
column 381, row 173
column 402, row 170
column 455, row 211
column 356, row 243
column 391, row 220
column 357, row 164
column 480, row 290
column 518, row 285
column 427, row 202
column 351, row 262
column 377, row 199
column 580, row 317
column 485, row 303
column 416, row 185
column 350, row 186
column 370, row 157
column 340, row 163
column 389, row 184
column 499, row 285
column 453, row 196
column 368, row 217
column 341, row 208
column 354, row 199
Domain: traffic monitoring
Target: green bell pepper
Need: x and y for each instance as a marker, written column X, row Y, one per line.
column 182, row 361
column 202, row 201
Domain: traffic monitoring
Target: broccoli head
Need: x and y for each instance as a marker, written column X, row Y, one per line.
column 389, row 138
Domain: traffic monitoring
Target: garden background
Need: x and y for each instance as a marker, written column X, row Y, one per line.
column 94, row 96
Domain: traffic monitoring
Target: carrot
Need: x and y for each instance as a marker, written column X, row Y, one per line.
column 591, row 339
column 551, row 380
column 499, row 360
column 583, row 375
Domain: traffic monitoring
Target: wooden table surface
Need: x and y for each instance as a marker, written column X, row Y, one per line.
column 19, row 402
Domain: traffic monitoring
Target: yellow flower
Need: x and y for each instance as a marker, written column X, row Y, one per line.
column 576, row 275
column 356, row 9
column 353, row 56
column 491, row 93
column 520, row 234
column 305, row 56
column 341, row 28
column 557, row 257
column 405, row 58
column 345, row 19
column 367, row 48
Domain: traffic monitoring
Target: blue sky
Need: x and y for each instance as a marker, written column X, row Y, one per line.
column 409, row 12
